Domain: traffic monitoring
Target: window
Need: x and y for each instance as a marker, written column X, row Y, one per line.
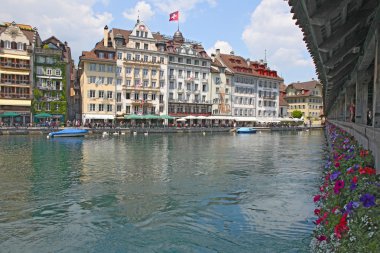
column 136, row 96
column 137, row 33
column 91, row 79
column 119, row 55
column 128, row 82
column 145, row 72
column 128, row 95
column 109, row 108
column 110, row 55
column 48, row 72
column 129, row 57
column 196, row 62
column 188, row 61
column 171, row 85
column 145, row 96
column 118, row 108
column 204, row 76
column 171, row 58
column 101, row 55
column 102, row 68
column 162, row 84
column 154, row 72
column 7, row 44
column 128, row 70
column 137, row 72
column 153, row 96
column 137, row 45
column 153, row 84
column 109, row 94
column 118, row 81
column 162, row 73
column 161, row 59
column 154, row 58
column 137, row 57
column 40, row 70
column 128, row 109
column 92, row 107
column 109, row 80
column 101, row 107
column 145, row 46
column 161, row 98
column 145, row 84
column 145, row 58
column 92, row 93
column 204, row 87
column 109, row 68
column 204, row 63
column 101, row 94
column 118, row 97
column 118, row 70
column 20, row 46
column 180, row 59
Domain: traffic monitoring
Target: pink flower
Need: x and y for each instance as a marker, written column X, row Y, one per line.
column 339, row 184
column 337, row 164
column 317, row 198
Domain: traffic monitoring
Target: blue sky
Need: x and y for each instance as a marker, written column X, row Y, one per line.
column 248, row 27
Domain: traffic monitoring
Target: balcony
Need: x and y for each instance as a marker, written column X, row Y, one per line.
column 12, row 81
column 15, row 96
column 171, row 77
column 180, row 90
column 141, row 62
column 140, row 88
column 204, row 80
column 12, row 65
column 47, row 51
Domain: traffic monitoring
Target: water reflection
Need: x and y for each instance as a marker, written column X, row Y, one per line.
column 165, row 193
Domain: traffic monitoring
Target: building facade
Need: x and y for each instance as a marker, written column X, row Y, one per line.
column 53, row 69
column 141, row 68
column 188, row 77
column 221, row 88
column 255, row 88
column 16, row 65
column 305, row 97
column 97, row 81
column 283, row 112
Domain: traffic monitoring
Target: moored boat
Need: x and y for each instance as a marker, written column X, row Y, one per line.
column 69, row 133
column 246, row 130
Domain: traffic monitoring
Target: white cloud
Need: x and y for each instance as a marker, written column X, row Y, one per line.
column 183, row 6
column 224, row 46
column 273, row 29
column 73, row 21
column 143, row 9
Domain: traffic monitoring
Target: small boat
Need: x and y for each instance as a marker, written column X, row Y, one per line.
column 69, row 133
column 246, row 130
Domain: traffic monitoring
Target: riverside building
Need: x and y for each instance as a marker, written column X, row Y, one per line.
column 141, row 67
column 16, row 75
column 307, row 98
column 53, row 76
column 188, row 77
column 255, row 88
column 97, row 81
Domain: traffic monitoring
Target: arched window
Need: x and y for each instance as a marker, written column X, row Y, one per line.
column 13, row 45
column 20, row 46
column 7, row 44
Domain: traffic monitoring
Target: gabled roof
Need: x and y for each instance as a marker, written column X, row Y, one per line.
column 238, row 65
column 27, row 30
column 304, row 85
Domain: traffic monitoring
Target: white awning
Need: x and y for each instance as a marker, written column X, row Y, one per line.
column 98, row 116
column 247, row 119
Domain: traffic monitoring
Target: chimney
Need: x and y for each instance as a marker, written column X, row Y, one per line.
column 248, row 61
column 105, row 41
column 213, row 57
column 232, row 53
column 217, row 51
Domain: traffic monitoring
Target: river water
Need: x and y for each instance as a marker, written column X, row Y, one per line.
column 159, row 193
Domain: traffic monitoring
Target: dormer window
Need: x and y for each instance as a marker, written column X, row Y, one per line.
column 7, row 44
column 101, row 55
column 110, row 55
column 20, row 46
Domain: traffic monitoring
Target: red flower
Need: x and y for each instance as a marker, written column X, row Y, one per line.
column 350, row 171
column 355, row 179
column 317, row 198
column 322, row 238
column 370, row 171
column 317, row 211
column 337, row 164
column 339, row 184
column 363, row 153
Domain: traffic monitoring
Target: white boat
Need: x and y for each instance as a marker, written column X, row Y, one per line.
column 69, row 133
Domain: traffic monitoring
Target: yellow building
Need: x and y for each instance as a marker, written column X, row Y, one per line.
column 307, row 98
column 97, row 81
column 15, row 70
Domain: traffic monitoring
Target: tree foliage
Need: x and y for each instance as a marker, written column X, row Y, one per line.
column 296, row 114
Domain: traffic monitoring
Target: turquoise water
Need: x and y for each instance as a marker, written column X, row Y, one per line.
column 159, row 193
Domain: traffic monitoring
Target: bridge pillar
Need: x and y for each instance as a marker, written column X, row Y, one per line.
column 361, row 98
column 376, row 83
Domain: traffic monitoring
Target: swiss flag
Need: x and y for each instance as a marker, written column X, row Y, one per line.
column 174, row 16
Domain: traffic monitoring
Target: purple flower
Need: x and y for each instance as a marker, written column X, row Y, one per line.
column 351, row 206
column 368, row 200
column 353, row 186
column 356, row 166
column 334, row 175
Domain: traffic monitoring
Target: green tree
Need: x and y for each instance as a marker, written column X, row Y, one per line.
column 296, row 114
